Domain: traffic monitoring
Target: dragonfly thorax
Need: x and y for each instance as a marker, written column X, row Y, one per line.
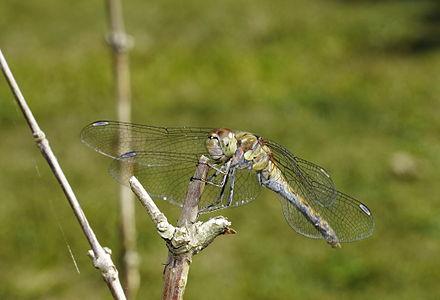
column 244, row 148
column 221, row 144
column 254, row 151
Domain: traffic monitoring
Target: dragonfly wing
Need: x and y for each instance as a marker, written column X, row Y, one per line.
column 164, row 160
column 113, row 138
column 304, row 173
column 164, row 175
column 316, row 174
column 350, row 219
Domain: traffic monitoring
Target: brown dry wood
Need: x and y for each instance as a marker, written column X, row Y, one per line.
column 177, row 268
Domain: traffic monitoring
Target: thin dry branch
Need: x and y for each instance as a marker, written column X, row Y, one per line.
column 177, row 268
column 120, row 43
column 100, row 256
column 188, row 238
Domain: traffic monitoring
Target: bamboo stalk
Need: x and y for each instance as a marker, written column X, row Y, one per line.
column 120, row 43
column 100, row 256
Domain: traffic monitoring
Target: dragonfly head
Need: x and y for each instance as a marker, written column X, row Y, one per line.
column 221, row 144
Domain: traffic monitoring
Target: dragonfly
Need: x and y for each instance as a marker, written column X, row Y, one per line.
column 240, row 164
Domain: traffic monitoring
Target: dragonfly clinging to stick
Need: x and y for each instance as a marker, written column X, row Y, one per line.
column 164, row 159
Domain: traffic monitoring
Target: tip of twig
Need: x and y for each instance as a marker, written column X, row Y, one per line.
column 229, row 230
column 336, row 246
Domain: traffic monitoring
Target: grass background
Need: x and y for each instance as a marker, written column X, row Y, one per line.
column 346, row 84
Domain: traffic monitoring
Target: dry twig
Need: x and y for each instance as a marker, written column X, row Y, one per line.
column 100, row 256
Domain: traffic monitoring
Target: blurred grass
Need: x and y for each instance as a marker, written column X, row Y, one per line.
column 336, row 82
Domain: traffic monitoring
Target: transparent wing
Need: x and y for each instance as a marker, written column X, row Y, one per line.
column 164, row 160
column 312, row 174
column 350, row 219
column 305, row 173
column 164, row 175
column 113, row 138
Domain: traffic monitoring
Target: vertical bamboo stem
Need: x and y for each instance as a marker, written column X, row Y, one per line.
column 120, row 43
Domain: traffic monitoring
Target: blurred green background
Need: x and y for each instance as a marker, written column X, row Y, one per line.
column 351, row 85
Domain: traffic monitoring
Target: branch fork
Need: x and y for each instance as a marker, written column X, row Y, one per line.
column 188, row 238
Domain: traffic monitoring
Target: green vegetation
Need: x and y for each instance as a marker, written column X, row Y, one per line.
column 346, row 84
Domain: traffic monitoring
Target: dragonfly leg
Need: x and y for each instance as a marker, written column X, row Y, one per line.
column 222, row 170
column 231, row 187
column 223, row 185
column 222, row 192
column 237, row 161
column 218, row 171
column 207, row 181
column 259, row 178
